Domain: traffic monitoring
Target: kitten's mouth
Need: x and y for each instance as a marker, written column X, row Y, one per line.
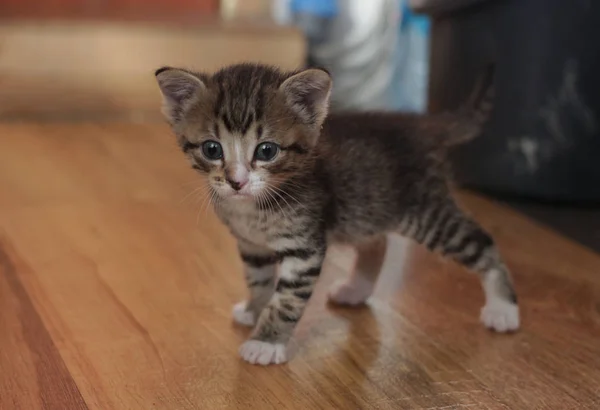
column 241, row 195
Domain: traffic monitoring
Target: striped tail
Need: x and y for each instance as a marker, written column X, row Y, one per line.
column 467, row 122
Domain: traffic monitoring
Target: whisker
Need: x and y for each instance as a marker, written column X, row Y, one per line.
column 271, row 191
column 299, row 188
column 275, row 190
column 199, row 197
column 194, row 191
column 205, row 202
column 300, row 204
column 264, row 205
column 272, row 200
column 291, row 197
column 211, row 201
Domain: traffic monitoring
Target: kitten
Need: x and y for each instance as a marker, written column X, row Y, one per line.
column 288, row 180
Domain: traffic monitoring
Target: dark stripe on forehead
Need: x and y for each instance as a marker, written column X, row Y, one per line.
column 247, row 124
column 259, row 107
column 227, row 122
column 239, row 110
column 243, row 94
column 238, row 117
column 219, row 102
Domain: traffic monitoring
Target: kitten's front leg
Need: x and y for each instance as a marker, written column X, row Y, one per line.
column 300, row 269
column 259, row 272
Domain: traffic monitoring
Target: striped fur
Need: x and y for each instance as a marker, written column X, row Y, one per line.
column 350, row 178
column 466, row 123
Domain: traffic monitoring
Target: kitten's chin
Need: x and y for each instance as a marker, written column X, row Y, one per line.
column 239, row 197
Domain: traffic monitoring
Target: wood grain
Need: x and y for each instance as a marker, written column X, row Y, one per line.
column 116, row 289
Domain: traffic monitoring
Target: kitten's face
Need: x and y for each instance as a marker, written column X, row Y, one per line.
column 245, row 166
column 248, row 128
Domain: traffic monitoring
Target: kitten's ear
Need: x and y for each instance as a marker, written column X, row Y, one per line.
column 178, row 88
column 307, row 93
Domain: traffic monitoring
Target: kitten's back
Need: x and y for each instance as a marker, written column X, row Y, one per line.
column 402, row 135
column 378, row 162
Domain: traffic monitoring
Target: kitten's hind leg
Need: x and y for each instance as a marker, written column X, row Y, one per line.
column 443, row 227
column 357, row 288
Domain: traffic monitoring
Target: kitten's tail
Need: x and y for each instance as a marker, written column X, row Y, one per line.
column 468, row 121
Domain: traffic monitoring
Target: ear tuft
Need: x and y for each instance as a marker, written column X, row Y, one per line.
column 178, row 88
column 307, row 93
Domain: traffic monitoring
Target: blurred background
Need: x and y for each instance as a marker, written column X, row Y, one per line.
column 84, row 60
column 93, row 59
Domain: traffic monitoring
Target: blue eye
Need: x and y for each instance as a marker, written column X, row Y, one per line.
column 266, row 151
column 212, row 150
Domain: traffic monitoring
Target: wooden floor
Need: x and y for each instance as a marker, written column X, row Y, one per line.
column 116, row 289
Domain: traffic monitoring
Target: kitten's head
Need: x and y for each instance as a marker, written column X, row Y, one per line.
column 248, row 127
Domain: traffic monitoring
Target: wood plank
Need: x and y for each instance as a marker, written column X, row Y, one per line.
column 119, row 286
column 27, row 350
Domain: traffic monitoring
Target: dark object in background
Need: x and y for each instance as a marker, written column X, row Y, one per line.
column 543, row 140
column 579, row 223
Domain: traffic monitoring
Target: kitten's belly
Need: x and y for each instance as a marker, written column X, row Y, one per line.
column 358, row 227
column 352, row 225
column 352, row 236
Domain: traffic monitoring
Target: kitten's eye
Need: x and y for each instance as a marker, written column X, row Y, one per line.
column 266, row 151
column 212, row 150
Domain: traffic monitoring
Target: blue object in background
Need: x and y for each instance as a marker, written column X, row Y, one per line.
column 408, row 91
column 377, row 60
column 314, row 17
column 321, row 8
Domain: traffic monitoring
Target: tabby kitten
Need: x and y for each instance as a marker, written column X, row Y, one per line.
column 288, row 181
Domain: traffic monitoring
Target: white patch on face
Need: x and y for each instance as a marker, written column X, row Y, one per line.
column 238, row 160
column 256, row 184
column 238, row 153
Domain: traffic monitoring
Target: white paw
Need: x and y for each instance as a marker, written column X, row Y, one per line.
column 500, row 315
column 263, row 353
column 241, row 315
column 343, row 292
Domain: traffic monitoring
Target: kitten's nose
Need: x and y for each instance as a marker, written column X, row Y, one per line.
column 237, row 185
column 237, row 176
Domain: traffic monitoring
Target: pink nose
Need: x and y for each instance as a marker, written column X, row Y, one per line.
column 237, row 185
